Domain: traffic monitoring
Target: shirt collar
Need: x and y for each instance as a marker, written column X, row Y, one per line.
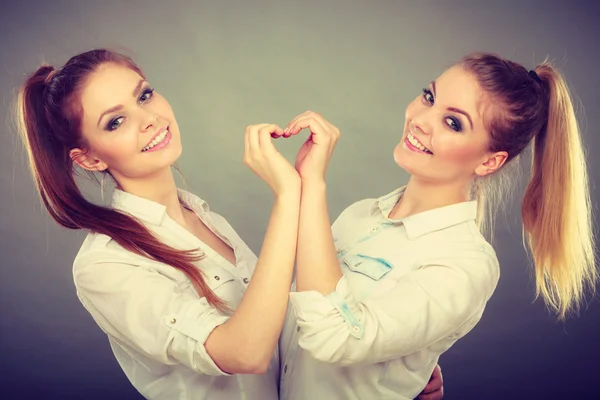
column 151, row 211
column 429, row 221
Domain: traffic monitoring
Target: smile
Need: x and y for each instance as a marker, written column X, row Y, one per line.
column 159, row 141
column 415, row 145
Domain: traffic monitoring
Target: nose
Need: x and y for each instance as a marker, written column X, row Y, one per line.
column 149, row 121
column 421, row 121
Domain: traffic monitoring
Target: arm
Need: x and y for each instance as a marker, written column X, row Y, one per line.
column 317, row 265
column 316, row 260
column 421, row 308
column 245, row 343
column 147, row 311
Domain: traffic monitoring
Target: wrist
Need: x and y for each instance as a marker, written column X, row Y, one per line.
column 291, row 190
column 313, row 184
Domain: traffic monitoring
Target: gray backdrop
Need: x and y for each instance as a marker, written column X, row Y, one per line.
column 226, row 64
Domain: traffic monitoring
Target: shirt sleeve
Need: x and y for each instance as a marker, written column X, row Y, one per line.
column 421, row 308
column 149, row 312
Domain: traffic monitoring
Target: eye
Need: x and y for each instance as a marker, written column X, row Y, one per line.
column 428, row 96
column 454, row 124
column 114, row 123
column 146, row 95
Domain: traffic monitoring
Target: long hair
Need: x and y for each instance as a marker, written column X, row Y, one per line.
column 49, row 115
column 556, row 213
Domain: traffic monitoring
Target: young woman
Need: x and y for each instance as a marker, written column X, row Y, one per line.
column 402, row 277
column 183, row 300
column 189, row 310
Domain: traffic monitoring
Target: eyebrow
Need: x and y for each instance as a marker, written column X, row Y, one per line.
column 118, row 107
column 458, row 110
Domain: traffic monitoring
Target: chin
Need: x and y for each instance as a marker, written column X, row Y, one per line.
column 404, row 158
column 401, row 157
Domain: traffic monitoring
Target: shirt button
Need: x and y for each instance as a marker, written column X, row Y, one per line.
column 173, row 320
column 246, row 280
column 374, row 229
column 217, row 277
column 285, row 369
column 298, row 329
column 356, row 329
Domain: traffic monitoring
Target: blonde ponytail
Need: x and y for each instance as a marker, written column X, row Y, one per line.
column 556, row 208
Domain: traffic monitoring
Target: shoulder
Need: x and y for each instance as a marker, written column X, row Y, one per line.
column 358, row 209
column 470, row 257
column 100, row 250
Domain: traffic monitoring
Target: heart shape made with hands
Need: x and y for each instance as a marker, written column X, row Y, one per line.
column 318, row 146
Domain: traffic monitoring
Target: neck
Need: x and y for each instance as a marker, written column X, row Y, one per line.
column 160, row 188
column 421, row 195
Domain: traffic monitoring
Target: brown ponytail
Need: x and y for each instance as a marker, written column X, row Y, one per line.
column 49, row 116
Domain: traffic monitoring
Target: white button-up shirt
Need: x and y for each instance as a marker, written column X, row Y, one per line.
column 410, row 289
column 154, row 319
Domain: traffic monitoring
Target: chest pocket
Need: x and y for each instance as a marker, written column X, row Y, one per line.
column 374, row 268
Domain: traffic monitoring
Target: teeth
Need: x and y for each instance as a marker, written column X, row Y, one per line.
column 413, row 140
column 161, row 136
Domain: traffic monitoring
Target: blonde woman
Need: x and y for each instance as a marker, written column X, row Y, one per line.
column 400, row 278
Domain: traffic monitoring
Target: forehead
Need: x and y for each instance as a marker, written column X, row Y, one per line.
column 458, row 88
column 111, row 84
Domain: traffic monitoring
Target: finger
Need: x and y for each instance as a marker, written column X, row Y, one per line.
column 298, row 117
column 264, row 134
column 432, row 386
column 253, row 141
column 276, row 131
column 316, row 127
column 435, row 382
column 432, row 396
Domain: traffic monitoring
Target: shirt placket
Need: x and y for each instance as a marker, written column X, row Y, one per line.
column 239, row 256
column 287, row 367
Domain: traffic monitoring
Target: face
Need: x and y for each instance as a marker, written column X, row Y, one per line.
column 130, row 129
column 444, row 138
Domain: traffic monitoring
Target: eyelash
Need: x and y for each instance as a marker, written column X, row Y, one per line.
column 142, row 99
column 454, row 124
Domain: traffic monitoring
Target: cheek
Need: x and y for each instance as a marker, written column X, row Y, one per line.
column 456, row 150
column 161, row 106
column 118, row 147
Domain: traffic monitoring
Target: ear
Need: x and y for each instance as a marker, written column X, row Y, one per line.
column 492, row 163
column 87, row 160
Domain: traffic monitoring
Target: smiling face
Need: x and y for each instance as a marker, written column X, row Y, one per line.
column 130, row 129
column 445, row 140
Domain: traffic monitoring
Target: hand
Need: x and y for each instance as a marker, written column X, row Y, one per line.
column 435, row 388
column 314, row 155
column 261, row 156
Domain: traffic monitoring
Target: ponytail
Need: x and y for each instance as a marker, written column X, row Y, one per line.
column 49, row 133
column 556, row 208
